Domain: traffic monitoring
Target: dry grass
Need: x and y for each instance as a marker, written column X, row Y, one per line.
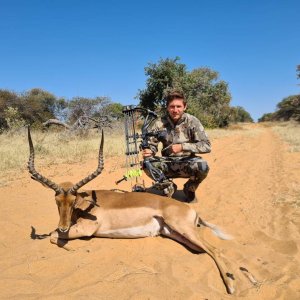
column 53, row 148
column 59, row 147
column 244, row 129
column 290, row 133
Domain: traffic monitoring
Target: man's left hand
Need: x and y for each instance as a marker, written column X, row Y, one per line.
column 176, row 148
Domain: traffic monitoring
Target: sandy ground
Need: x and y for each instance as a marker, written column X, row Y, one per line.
column 251, row 192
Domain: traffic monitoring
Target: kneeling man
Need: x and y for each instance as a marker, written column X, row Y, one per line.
column 183, row 138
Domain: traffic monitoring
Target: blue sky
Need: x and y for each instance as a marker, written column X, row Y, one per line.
column 100, row 48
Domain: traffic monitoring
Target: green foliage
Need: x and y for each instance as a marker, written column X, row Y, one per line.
column 208, row 97
column 266, row 117
column 92, row 107
column 34, row 106
column 13, row 118
column 7, row 99
column 239, row 114
column 114, row 110
column 167, row 73
column 287, row 109
column 37, row 106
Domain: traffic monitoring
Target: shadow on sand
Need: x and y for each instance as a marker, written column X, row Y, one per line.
column 178, row 195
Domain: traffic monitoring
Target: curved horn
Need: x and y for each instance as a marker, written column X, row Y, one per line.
column 98, row 171
column 35, row 175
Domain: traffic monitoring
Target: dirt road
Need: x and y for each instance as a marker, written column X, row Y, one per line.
column 252, row 192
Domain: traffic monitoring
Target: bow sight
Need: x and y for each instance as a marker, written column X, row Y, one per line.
column 138, row 141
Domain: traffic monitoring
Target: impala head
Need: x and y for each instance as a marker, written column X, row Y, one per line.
column 66, row 196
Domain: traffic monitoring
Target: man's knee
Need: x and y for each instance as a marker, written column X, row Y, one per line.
column 199, row 167
column 203, row 167
column 154, row 163
column 155, row 169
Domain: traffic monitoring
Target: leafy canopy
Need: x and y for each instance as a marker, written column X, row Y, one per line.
column 287, row 109
column 208, row 97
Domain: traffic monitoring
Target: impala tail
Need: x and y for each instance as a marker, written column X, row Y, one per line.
column 216, row 230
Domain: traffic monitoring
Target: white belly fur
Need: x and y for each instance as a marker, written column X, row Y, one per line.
column 151, row 229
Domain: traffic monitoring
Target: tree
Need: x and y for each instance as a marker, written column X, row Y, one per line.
column 298, row 71
column 266, row 117
column 288, row 109
column 90, row 107
column 239, row 114
column 13, row 118
column 208, row 97
column 37, row 105
column 7, row 99
column 167, row 73
column 113, row 109
column 34, row 106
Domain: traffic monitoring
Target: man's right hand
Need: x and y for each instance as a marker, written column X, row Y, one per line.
column 147, row 153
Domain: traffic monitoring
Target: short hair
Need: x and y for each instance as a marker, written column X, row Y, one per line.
column 175, row 95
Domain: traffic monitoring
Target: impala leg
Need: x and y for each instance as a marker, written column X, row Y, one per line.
column 191, row 237
column 57, row 240
column 78, row 230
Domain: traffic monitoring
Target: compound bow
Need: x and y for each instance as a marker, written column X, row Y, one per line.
column 138, row 141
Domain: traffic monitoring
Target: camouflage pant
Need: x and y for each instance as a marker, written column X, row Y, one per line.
column 194, row 168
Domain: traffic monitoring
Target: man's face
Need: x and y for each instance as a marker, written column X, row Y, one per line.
column 176, row 108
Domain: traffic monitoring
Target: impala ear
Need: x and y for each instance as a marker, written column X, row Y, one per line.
column 89, row 198
column 81, row 198
column 83, row 194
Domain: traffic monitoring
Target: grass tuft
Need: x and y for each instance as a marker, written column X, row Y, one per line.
column 53, row 148
column 290, row 133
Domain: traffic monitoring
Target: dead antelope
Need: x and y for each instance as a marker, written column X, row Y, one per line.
column 103, row 213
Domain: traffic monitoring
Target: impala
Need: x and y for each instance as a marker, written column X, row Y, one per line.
column 110, row 214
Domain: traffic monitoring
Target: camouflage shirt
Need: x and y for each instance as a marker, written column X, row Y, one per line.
column 188, row 132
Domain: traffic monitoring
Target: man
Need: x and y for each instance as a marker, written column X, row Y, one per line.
column 184, row 138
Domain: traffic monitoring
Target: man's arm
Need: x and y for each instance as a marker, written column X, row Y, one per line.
column 199, row 142
column 152, row 141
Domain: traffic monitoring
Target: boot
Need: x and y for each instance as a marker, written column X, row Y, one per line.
column 170, row 190
column 189, row 193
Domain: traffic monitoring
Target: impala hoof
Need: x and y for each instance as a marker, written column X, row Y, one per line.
column 230, row 290
column 63, row 229
column 54, row 237
column 230, row 284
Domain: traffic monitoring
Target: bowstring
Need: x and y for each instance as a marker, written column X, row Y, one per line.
column 131, row 160
column 132, row 149
column 127, row 142
column 136, row 155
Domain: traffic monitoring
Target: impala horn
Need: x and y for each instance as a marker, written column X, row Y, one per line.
column 98, row 171
column 37, row 176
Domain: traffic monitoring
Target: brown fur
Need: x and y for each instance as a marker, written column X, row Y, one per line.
column 89, row 213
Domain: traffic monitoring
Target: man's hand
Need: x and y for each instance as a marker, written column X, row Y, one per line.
column 147, row 153
column 176, row 148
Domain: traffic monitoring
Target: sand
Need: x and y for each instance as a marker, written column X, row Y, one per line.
column 252, row 192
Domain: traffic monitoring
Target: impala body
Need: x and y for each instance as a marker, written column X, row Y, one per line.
column 110, row 214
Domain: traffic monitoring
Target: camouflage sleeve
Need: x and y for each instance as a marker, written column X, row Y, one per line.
column 153, row 141
column 199, row 142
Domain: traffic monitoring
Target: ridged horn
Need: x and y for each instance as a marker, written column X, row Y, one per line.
column 37, row 176
column 98, row 171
